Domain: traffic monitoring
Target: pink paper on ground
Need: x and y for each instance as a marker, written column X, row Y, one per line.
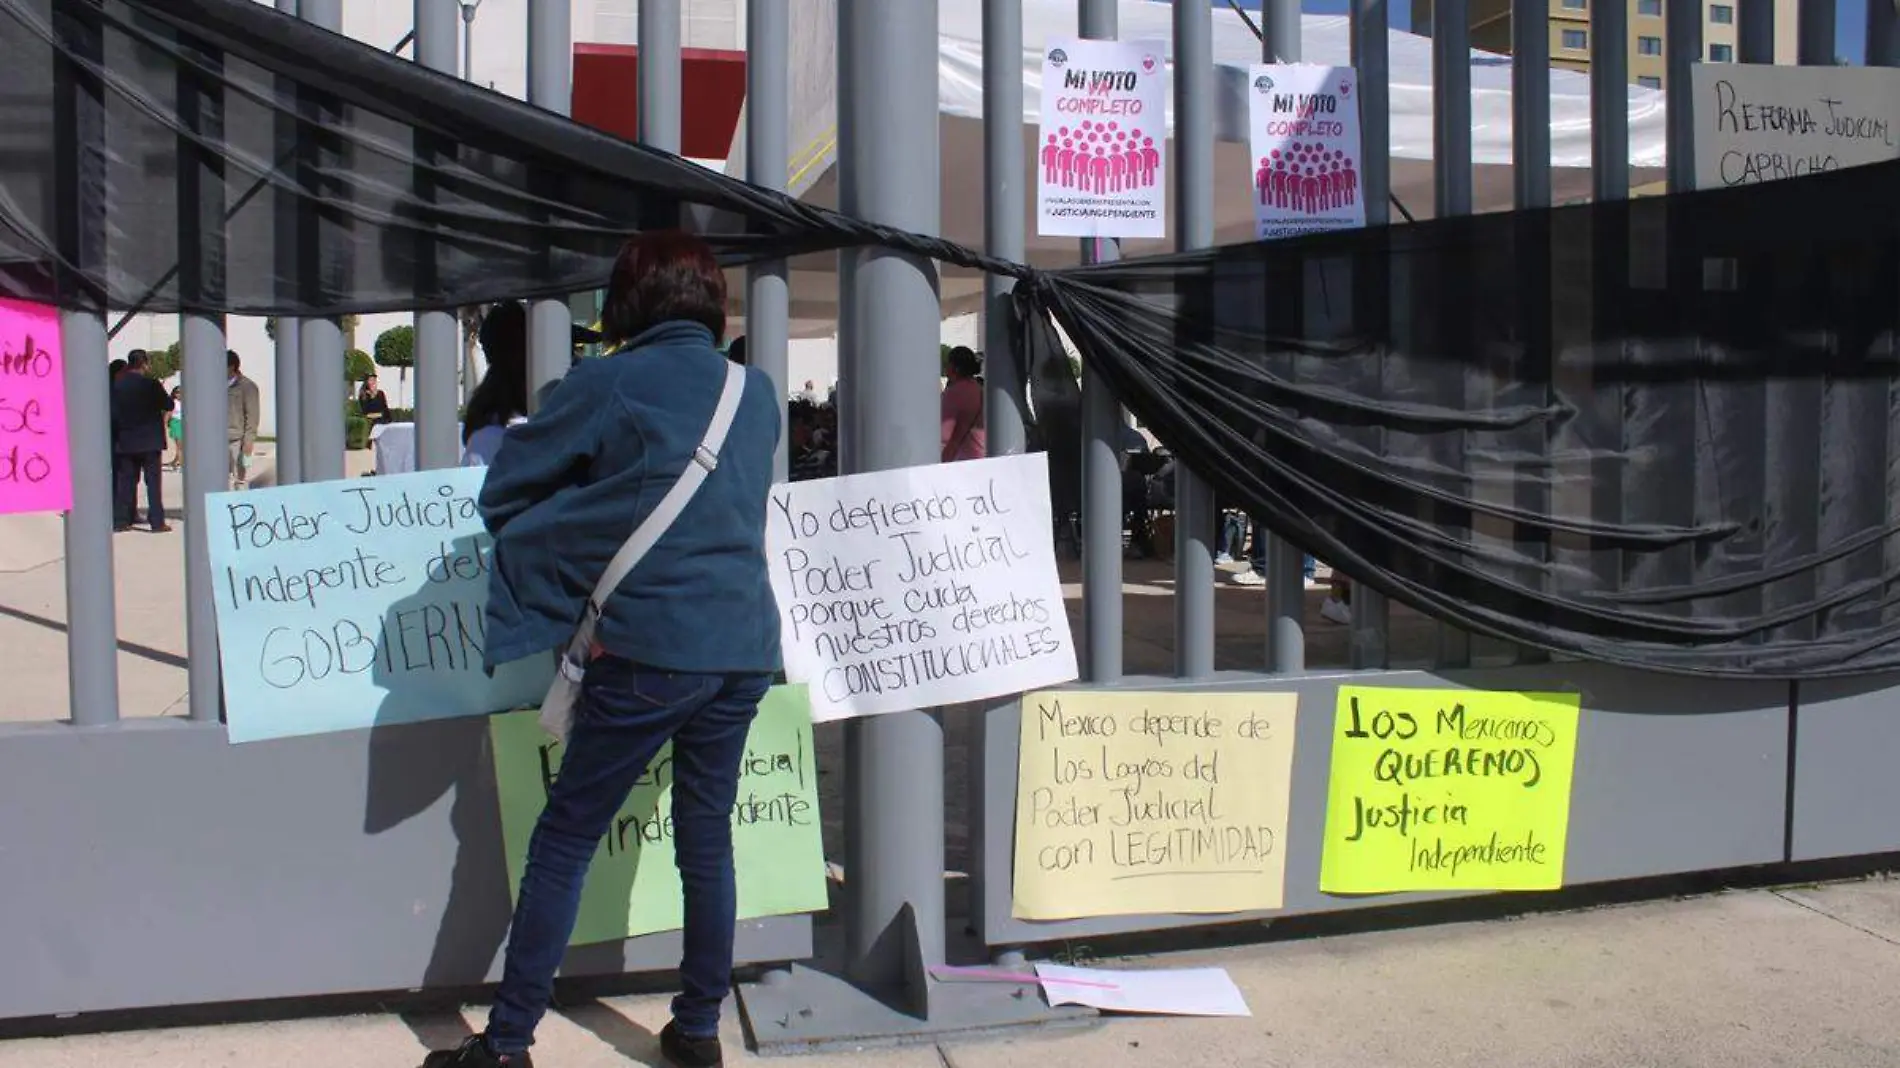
column 35, row 460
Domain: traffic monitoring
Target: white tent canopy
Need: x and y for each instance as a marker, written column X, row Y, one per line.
column 1325, row 41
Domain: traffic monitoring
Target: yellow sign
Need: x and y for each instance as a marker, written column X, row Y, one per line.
column 1152, row 802
column 1448, row 790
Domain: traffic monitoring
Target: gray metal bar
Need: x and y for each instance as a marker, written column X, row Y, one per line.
column 659, row 100
column 1609, row 100
column 92, row 640
column 1883, row 35
column 1280, row 31
column 550, row 39
column 201, row 258
column 1370, row 24
column 207, row 462
column 1530, row 104
column 1815, row 32
column 1194, row 519
column 1755, row 31
column 438, row 350
column 324, row 390
column 768, row 93
column 1286, row 571
column 888, row 156
column 287, row 420
column 1005, row 200
column 1102, row 506
column 1682, row 34
column 1451, row 194
column 1530, row 163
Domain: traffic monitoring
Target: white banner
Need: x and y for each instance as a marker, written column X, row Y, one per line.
column 1759, row 123
column 1102, row 154
column 1304, row 129
column 919, row 587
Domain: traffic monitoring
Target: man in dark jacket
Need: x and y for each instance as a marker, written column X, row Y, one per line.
column 139, row 408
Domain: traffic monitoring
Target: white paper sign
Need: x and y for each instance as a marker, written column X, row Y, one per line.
column 1304, row 129
column 1167, row 992
column 1760, row 123
column 919, row 587
column 1102, row 154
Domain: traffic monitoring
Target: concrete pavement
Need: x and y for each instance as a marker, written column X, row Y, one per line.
column 1804, row 977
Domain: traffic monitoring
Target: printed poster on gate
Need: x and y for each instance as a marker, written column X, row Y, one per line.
column 1303, row 123
column 1102, row 150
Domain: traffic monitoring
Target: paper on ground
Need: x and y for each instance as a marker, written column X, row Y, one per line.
column 1169, row 992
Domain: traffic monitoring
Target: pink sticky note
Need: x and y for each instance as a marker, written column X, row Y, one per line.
column 35, row 457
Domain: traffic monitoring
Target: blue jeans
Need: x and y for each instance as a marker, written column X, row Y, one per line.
column 1258, row 558
column 624, row 714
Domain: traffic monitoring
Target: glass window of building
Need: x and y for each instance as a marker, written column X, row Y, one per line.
column 1575, row 5
column 1722, row 14
column 1649, row 46
column 1576, row 40
column 1721, row 53
column 1649, row 81
column 1652, row 8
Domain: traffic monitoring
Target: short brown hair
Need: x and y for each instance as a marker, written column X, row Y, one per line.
column 664, row 276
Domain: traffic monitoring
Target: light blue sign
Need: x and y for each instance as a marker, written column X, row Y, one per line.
column 357, row 603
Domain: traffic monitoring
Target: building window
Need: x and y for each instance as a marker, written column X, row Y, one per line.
column 1649, row 81
column 1721, row 14
column 1721, row 53
column 1649, row 46
column 1576, row 40
column 1652, row 8
column 1575, row 5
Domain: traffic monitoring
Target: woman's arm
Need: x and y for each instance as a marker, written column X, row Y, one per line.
column 546, row 454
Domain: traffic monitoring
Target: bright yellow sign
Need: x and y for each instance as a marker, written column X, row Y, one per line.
column 1448, row 790
column 1152, row 802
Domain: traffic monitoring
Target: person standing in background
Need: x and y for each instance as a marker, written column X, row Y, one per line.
column 177, row 426
column 372, row 402
column 139, row 405
column 241, row 422
column 963, row 433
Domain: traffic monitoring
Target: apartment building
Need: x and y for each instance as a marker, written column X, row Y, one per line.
column 1570, row 33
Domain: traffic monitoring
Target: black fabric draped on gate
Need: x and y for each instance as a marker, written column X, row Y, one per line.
column 1662, row 433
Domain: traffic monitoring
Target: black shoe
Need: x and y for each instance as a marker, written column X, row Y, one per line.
column 683, row 1052
column 474, row 1053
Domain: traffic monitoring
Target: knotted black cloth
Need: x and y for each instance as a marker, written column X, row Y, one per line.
column 1662, row 433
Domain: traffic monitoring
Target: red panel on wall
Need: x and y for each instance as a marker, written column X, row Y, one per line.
column 712, row 89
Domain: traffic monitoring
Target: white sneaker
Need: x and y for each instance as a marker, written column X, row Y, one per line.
column 1223, row 558
column 1249, row 577
column 1334, row 610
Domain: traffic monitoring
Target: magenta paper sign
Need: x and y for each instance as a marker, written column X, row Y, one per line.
column 35, row 467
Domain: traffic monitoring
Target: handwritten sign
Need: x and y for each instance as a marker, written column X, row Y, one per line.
column 632, row 886
column 357, row 603
column 920, row 586
column 35, row 465
column 1103, row 142
column 1152, row 802
column 1448, row 790
column 1304, row 167
column 1760, row 123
